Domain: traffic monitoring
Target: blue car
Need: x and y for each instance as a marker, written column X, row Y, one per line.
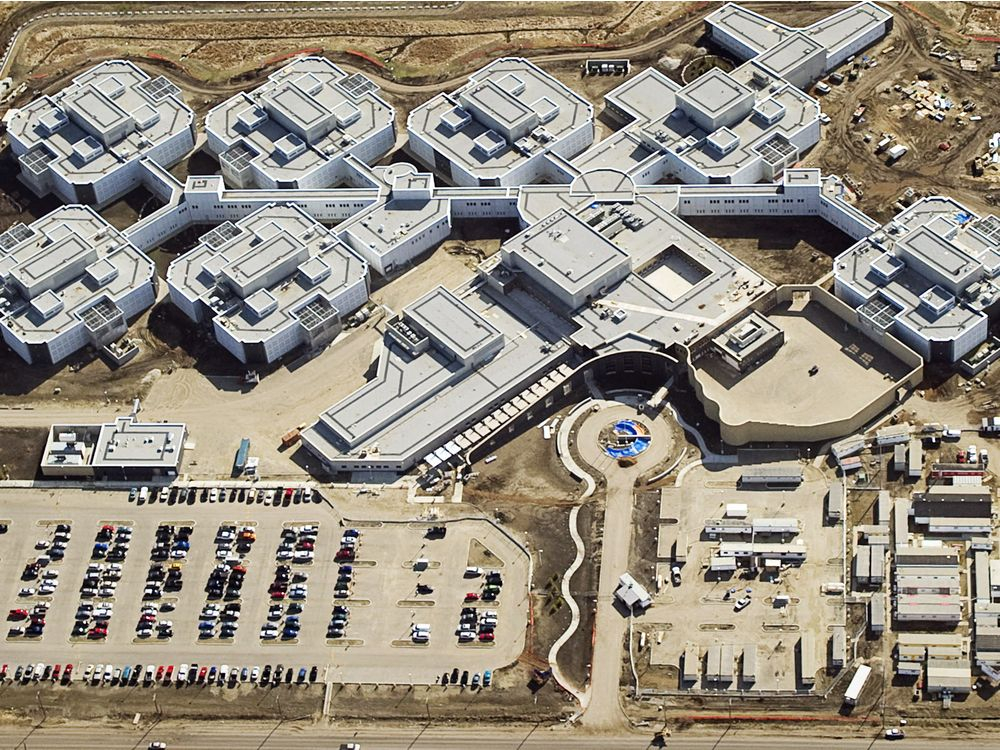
column 352, row 532
column 126, row 673
column 487, row 677
column 206, row 625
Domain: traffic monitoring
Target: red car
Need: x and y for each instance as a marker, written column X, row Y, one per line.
column 306, row 545
column 471, row 596
column 55, row 672
column 159, row 673
column 288, row 493
column 68, row 673
column 170, row 673
column 278, row 595
column 486, row 637
column 17, row 614
column 3, row 672
column 202, row 673
column 98, row 632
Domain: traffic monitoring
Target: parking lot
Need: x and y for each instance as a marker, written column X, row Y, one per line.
column 380, row 589
column 702, row 610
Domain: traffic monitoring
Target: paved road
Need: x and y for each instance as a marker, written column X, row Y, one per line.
column 278, row 736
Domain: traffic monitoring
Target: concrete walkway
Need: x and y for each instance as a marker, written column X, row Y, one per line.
column 581, row 696
column 603, row 709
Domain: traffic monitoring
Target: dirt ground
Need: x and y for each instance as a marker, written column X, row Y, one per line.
column 926, row 169
column 434, row 45
column 528, row 488
column 20, row 452
column 786, row 250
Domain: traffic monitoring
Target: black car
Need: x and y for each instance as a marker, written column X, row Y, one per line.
column 454, row 675
column 465, row 677
column 423, row 588
column 313, row 674
column 265, row 676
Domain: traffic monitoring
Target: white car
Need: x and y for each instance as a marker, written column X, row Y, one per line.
column 268, row 632
column 102, row 612
column 303, row 555
column 213, row 495
column 108, row 671
column 466, row 635
column 178, row 554
column 41, row 544
column 27, row 591
column 47, row 589
column 255, row 674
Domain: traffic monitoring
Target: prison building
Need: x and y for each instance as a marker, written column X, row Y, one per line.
column 269, row 283
column 299, row 127
column 511, row 124
column 85, row 142
column 70, row 280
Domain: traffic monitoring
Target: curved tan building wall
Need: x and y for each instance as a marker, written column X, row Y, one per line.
column 804, row 431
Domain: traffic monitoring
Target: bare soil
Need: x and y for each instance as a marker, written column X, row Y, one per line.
column 926, row 169
column 21, row 451
column 786, row 250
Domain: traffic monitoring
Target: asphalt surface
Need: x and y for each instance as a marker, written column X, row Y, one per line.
column 289, row 735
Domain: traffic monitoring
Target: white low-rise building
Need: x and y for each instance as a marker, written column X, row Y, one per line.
column 929, row 277
column 123, row 449
column 500, row 128
column 296, row 129
column 269, row 283
column 70, row 280
column 85, row 142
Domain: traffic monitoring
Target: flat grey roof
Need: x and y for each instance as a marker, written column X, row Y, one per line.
column 715, row 91
column 53, row 255
column 128, row 443
column 449, row 320
column 458, row 146
column 287, row 92
column 566, row 250
column 789, row 53
column 500, row 104
column 85, row 104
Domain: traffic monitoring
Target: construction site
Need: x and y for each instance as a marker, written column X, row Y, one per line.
column 678, row 319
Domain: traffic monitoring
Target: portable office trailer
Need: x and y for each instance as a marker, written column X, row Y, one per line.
column 836, row 500
column 719, row 664
column 899, row 458
column 750, row 664
column 838, row 647
column 853, row 692
column 692, row 664
column 915, row 460
column 876, row 614
column 883, row 508
column 807, row 659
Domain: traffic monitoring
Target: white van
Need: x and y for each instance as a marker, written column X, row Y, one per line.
column 143, row 494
